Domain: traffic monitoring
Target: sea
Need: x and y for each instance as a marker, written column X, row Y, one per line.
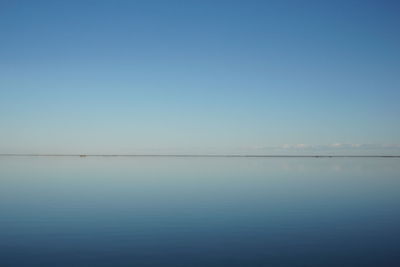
column 199, row 211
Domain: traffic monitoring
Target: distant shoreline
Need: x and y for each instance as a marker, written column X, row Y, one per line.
column 200, row 155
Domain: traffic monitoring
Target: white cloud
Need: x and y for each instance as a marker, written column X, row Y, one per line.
column 335, row 148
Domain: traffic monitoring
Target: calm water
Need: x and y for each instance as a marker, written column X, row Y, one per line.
column 199, row 211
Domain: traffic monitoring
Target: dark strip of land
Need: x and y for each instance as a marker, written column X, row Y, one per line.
column 202, row 155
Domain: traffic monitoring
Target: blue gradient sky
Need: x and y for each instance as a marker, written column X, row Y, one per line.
column 199, row 76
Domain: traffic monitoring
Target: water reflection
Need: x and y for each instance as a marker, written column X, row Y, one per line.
column 199, row 211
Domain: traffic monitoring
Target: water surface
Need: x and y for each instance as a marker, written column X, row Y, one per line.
column 94, row 211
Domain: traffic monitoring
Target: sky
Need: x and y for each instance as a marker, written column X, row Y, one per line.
column 254, row 77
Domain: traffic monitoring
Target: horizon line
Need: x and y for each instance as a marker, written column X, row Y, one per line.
column 200, row 155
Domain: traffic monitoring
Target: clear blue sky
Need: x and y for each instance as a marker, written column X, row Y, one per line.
column 198, row 76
